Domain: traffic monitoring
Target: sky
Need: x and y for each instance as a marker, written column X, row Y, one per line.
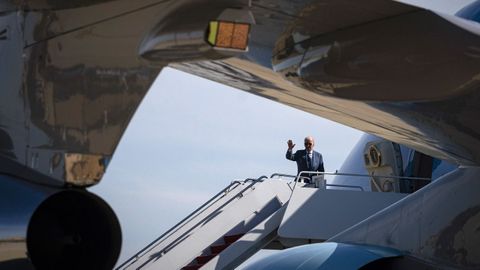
column 190, row 138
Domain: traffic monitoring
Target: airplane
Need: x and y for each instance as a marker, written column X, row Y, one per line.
column 74, row 72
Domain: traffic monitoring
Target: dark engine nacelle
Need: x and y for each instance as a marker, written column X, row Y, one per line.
column 46, row 228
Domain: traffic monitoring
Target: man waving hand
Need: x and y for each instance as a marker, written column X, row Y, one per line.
column 307, row 159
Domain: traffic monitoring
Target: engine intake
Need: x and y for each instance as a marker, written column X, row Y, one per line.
column 55, row 228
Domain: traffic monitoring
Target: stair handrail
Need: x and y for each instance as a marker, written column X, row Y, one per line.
column 184, row 221
column 240, row 194
column 368, row 175
column 166, row 234
column 259, row 179
column 299, row 175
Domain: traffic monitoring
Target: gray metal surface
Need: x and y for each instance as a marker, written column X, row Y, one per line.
column 318, row 214
column 249, row 244
column 438, row 223
column 325, row 256
column 71, row 81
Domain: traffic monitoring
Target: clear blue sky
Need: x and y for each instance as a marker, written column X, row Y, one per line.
column 190, row 138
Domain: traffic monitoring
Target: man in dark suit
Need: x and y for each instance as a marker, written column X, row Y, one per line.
column 307, row 159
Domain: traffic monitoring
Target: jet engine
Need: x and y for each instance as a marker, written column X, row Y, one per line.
column 55, row 228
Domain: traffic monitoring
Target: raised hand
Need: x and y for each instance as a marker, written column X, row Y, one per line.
column 290, row 144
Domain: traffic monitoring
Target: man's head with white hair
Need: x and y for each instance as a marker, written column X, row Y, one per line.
column 309, row 143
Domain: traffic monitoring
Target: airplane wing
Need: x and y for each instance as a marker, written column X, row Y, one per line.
column 73, row 80
column 86, row 67
column 380, row 66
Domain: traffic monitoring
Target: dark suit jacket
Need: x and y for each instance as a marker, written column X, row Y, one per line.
column 301, row 157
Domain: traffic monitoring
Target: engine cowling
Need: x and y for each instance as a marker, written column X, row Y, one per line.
column 50, row 228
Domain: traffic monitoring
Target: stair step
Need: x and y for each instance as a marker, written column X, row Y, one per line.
column 205, row 258
column 192, row 267
column 202, row 260
column 232, row 238
column 218, row 248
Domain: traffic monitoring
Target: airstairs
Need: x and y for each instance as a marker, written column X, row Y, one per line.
column 248, row 215
column 242, row 217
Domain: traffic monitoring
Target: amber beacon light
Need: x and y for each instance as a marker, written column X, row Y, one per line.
column 228, row 35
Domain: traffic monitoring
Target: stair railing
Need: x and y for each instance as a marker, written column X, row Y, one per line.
column 300, row 176
column 190, row 217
